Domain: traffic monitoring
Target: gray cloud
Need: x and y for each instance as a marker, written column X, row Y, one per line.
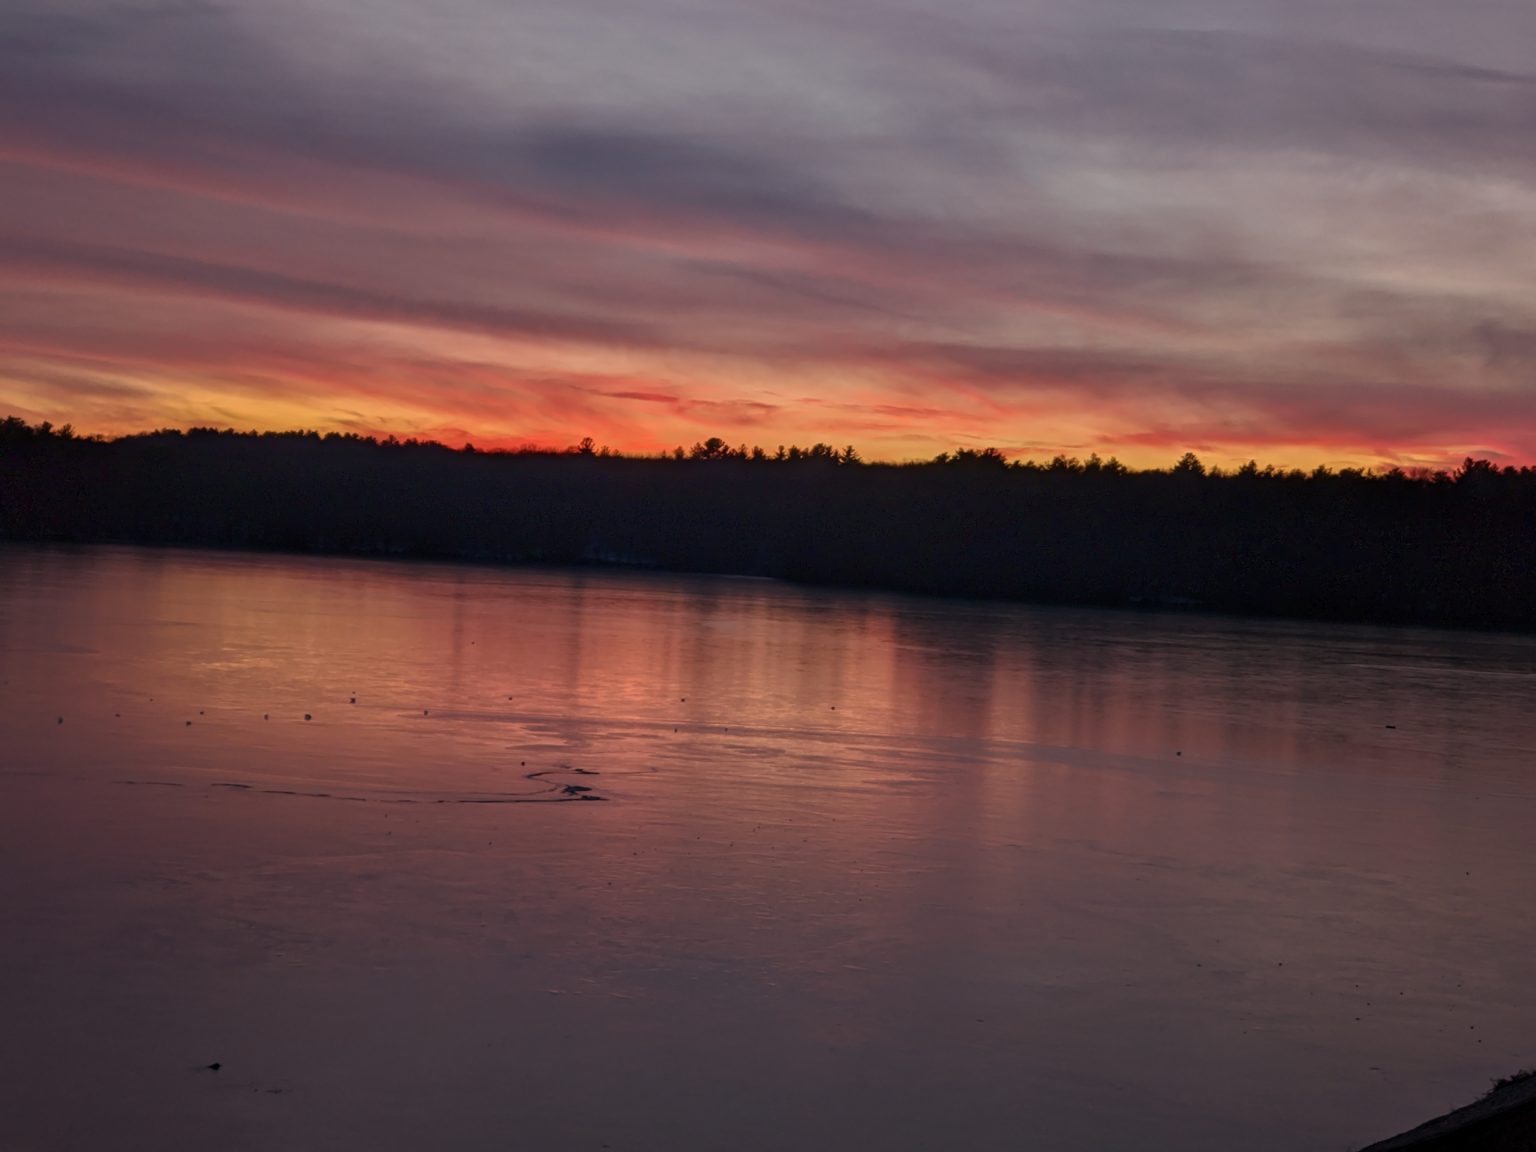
column 675, row 174
column 272, row 289
column 1246, row 92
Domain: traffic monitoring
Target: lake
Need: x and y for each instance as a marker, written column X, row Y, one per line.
column 434, row 856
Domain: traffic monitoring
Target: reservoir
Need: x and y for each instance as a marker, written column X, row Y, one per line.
column 436, row 856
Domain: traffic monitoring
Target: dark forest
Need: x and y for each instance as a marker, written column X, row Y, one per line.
column 1445, row 548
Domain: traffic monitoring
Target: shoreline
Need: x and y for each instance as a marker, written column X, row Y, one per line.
column 1181, row 609
column 1446, row 551
column 1503, row 1120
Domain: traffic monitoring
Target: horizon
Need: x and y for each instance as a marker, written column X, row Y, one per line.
column 714, row 447
column 1137, row 459
column 1259, row 230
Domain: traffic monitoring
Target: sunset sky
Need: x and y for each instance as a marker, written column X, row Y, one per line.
column 1297, row 230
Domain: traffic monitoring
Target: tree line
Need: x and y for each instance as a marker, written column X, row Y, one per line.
column 1453, row 548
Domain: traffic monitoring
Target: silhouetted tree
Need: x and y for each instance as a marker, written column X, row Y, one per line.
column 1435, row 547
column 1189, row 465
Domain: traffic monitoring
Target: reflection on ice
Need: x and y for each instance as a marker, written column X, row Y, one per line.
column 870, row 871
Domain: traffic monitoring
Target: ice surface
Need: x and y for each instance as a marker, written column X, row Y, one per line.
column 867, row 871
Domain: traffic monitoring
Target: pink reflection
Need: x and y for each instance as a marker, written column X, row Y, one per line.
column 868, row 868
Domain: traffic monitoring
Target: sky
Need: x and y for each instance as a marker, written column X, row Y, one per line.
column 1302, row 231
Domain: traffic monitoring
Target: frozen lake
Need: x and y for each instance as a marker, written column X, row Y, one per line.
column 860, row 871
